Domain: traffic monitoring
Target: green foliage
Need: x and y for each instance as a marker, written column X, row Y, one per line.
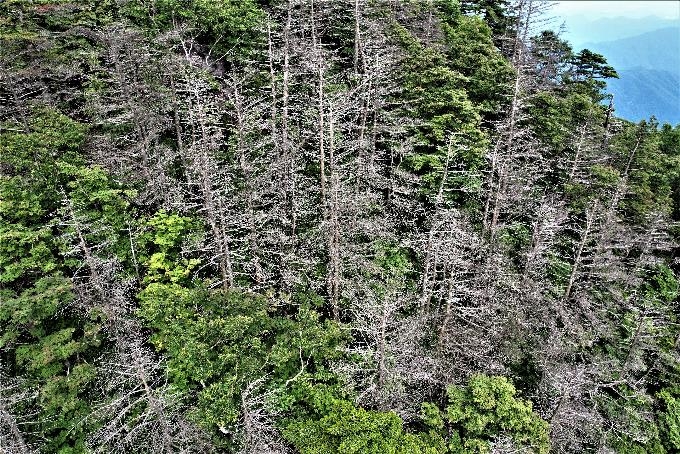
column 551, row 56
column 30, row 193
column 449, row 90
column 225, row 26
column 557, row 119
column 484, row 409
column 651, row 172
column 74, row 237
column 590, row 65
column 587, row 74
column 448, row 137
column 50, row 202
column 161, row 248
column 662, row 285
column 392, row 259
column 470, row 51
column 669, row 419
column 516, row 237
column 497, row 14
column 634, row 430
column 31, row 311
column 340, row 427
column 475, row 415
column 218, row 343
column 57, row 15
column 669, row 146
column 100, row 210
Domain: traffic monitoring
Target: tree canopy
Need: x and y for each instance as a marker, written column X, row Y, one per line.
column 304, row 226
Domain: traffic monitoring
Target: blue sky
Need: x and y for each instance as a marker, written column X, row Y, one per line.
column 669, row 9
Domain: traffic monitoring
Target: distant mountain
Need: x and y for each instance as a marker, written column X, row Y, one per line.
column 646, row 53
column 658, row 50
column 581, row 29
column 648, row 65
column 642, row 92
column 649, row 69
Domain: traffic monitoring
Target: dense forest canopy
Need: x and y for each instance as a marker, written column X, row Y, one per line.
column 314, row 226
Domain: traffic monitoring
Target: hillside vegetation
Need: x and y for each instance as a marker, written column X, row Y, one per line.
column 317, row 227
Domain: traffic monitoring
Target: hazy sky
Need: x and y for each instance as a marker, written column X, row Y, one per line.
column 669, row 9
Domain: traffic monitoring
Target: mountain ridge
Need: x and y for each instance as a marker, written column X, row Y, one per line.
column 643, row 50
column 641, row 92
column 649, row 68
column 580, row 29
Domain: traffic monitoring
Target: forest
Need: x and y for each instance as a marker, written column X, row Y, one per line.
column 329, row 226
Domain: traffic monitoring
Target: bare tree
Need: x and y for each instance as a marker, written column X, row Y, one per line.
column 514, row 159
column 257, row 429
column 129, row 111
column 395, row 365
column 13, row 396
column 137, row 411
column 567, row 396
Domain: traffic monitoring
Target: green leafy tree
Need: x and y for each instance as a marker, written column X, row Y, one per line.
column 338, row 426
column 588, row 71
column 551, row 56
column 218, row 343
column 222, row 28
column 470, row 50
column 669, row 418
column 54, row 210
column 448, row 137
column 484, row 410
column 496, row 14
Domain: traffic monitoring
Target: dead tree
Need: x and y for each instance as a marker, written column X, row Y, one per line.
column 549, row 218
column 14, row 415
column 137, row 411
column 513, row 146
column 394, row 364
column 566, row 398
column 206, row 180
column 129, row 111
column 257, row 429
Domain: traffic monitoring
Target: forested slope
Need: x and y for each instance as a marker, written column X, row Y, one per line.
column 305, row 226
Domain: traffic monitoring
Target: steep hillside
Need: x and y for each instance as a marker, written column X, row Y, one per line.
column 328, row 227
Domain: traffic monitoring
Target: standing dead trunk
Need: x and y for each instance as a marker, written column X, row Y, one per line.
column 333, row 234
column 11, row 438
column 578, row 257
column 321, row 127
column 357, row 37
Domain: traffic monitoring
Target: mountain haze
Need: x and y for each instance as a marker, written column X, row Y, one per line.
column 580, row 29
column 641, row 92
column 657, row 50
column 649, row 68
